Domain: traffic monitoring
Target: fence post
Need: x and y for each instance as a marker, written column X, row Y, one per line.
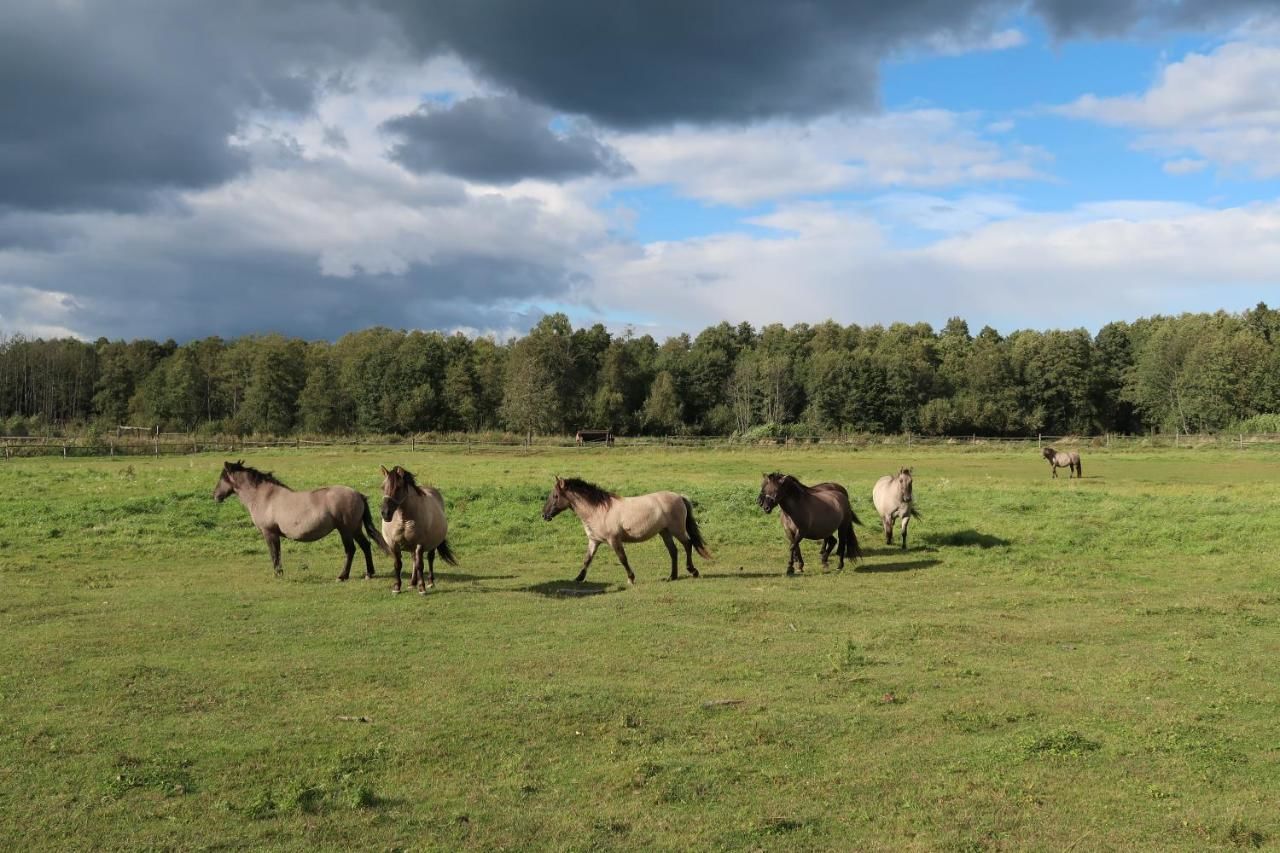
column 64, row 451
column 413, row 443
column 112, row 445
column 1038, row 437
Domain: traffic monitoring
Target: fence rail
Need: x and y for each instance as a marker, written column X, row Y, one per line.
column 170, row 444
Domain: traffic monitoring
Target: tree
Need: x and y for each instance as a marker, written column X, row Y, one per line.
column 662, row 406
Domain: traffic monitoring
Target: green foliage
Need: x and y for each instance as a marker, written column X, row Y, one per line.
column 1192, row 373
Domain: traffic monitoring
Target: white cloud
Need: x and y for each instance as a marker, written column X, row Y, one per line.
column 1087, row 266
column 1222, row 106
column 916, row 149
column 1184, row 166
column 956, row 44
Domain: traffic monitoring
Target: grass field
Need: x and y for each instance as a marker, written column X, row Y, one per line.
column 1085, row 665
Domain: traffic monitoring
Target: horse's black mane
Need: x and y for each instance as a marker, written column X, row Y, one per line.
column 589, row 492
column 407, row 476
column 256, row 477
column 789, row 482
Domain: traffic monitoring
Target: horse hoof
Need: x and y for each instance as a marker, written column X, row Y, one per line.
column 422, row 592
column 395, row 591
column 341, row 579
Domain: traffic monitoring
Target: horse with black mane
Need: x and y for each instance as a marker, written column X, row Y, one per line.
column 1059, row 459
column 820, row 512
column 611, row 518
column 278, row 511
column 413, row 520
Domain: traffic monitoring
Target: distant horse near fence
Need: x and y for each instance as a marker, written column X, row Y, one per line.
column 1059, row 459
column 594, row 436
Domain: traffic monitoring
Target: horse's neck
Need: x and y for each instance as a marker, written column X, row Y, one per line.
column 257, row 498
column 592, row 515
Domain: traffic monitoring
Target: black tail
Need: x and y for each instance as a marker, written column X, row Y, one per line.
column 849, row 543
column 1079, row 470
column 446, row 553
column 856, row 520
column 691, row 528
column 374, row 533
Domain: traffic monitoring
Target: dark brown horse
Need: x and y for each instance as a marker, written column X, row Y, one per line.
column 819, row 512
column 1058, row 459
column 278, row 511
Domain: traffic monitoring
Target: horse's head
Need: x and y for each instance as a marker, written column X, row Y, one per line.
column 557, row 501
column 396, row 486
column 226, row 485
column 904, row 485
column 1048, row 453
column 771, row 490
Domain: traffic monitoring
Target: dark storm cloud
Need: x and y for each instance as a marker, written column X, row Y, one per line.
column 497, row 140
column 201, row 293
column 106, row 104
column 637, row 63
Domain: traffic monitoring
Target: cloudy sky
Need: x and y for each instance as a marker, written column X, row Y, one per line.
column 179, row 168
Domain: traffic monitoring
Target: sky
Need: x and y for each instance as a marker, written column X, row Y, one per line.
column 178, row 169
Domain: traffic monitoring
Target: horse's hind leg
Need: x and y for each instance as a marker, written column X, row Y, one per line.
column 431, row 572
column 828, row 545
column 887, row 525
column 906, row 519
column 675, row 556
column 363, row 542
column 348, row 547
column 688, row 554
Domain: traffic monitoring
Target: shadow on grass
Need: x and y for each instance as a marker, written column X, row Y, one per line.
column 462, row 577
column 901, row 566
column 567, row 589
column 729, row 574
column 885, row 550
column 968, row 539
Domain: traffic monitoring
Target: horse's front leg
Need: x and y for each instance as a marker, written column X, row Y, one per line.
column 622, row 558
column 906, row 519
column 397, row 562
column 273, row 547
column 592, row 545
column 415, row 580
column 431, row 572
column 886, row 523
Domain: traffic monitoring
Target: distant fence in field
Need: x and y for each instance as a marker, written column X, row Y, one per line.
column 171, row 444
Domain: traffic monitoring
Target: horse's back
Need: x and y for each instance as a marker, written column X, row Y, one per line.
column 310, row 515
column 641, row 517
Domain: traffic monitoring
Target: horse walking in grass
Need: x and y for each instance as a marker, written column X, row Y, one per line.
column 278, row 511
column 413, row 520
column 610, row 518
column 820, row 512
column 893, row 500
column 1058, row 459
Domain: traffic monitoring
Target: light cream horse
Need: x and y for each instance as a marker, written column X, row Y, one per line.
column 607, row 517
column 278, row 511
column 413, row 520
column 893, row 499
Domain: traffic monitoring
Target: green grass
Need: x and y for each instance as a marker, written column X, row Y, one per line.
column 1092, row 665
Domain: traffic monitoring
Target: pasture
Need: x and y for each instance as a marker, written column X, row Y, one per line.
column 1074, row 664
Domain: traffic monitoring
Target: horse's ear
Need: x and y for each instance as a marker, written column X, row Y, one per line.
column 226, row 465
column 385, row 472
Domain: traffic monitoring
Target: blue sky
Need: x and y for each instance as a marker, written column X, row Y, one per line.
column 656, row 167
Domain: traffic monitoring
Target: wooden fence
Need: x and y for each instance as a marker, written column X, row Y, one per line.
column 170, row 444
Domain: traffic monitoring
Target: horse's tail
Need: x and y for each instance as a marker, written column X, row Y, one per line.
column 855, row 518
column 691, row 528
column 446, row 553
column 912, row 511
column 374, row 533
column 1079, row 469
column 849, row 543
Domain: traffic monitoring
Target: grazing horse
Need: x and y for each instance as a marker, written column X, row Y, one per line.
column 1058, row 459
column 413, row 520
column 610, row 518
column 812, row 512
column 278, row 511
column 892, row 497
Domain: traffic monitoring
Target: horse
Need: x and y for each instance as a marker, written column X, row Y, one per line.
column 1058, row 459
column 413, row 519
column 278, row 511
column 812, row 512
column 607, row 517
column 892, row 497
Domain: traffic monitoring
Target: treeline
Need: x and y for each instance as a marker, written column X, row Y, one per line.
column 1192, row 373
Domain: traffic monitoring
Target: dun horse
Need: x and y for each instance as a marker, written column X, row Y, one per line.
column 1058, row 459
column 413, row 520
column 892, row 497
column 819, row 512
column 278, row 511
column 607, row 517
